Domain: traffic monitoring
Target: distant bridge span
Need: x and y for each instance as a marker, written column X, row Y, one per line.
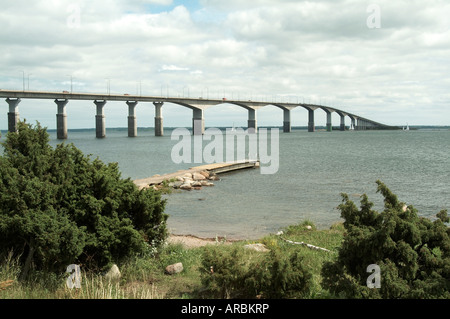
column 197, row 105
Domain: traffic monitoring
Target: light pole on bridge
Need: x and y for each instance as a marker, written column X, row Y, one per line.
column 71, row 83
column 139, row 88
column 188, row 91
column 207, row 93
column 29, row 81
column 108, row 86
column 167, row 88
column 23, row 79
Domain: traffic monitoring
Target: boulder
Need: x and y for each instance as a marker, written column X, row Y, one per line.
column 179, row 179
column 186, row 186
column 205, row 173
column 177, row 184
column 174, row 269
column 187, row 175
column 214, row 178
column 197, row 184
column 198, row 177
column 113, row 273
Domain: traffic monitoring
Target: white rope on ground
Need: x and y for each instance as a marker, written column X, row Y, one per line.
column 305, row 244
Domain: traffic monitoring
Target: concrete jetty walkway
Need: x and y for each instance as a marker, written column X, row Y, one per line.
column 216, row 168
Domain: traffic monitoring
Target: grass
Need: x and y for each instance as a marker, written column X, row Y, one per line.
column 145, row 278
column 330, row 239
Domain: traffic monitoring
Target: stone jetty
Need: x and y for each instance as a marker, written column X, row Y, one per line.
column 196, row 177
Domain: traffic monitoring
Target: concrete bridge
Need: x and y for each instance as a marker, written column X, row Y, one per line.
column 198, row 106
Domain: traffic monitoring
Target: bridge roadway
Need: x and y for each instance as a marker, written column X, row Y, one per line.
column 197, row 105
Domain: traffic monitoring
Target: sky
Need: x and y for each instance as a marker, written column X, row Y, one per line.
column 388, row 61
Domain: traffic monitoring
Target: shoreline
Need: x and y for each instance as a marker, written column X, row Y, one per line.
column 179, row 179
column 192, row 241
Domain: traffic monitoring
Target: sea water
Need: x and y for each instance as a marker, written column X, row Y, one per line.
column 314, row 169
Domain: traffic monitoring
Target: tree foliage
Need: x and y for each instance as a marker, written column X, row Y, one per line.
column 58, row 207
column 412, row 252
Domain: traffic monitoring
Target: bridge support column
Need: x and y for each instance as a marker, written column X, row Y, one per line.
column 13, row 114
column 252, row 121
column 342, row 127
column 100, row 128
column 159, row 123
column 353, row 124
column 132, row 122
column 311, row 125
column 198, row 122
column 329, row 122
column 61, row 119
column 287, row 121
column 361, row 125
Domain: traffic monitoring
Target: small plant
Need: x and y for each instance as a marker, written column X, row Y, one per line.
column 235, row 272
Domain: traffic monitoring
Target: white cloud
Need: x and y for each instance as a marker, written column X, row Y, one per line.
column 173, row 68
column 321, row 50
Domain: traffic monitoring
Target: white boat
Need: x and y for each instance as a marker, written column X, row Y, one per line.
column 406, row 128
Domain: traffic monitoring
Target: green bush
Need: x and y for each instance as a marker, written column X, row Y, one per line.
column 58, row 207
column 413, row 252
column 236, row 272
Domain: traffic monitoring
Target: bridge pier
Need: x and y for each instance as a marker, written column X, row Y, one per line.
column 342, row 128
column 311, row 125
column 61, row 119
column 159, row 122
column 287, row 128
column 252, row 121
column 361, row 125
column 100, row 128
column 13, row 114
column 132, row 122
column 329, row 121
column 198, row 122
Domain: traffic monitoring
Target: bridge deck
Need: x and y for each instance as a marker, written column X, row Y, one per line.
column 197, row 104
